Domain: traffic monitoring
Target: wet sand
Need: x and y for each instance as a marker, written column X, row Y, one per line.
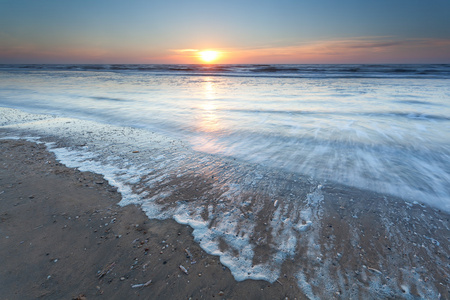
column 63, row 236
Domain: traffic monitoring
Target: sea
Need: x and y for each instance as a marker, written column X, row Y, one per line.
column 259, row 159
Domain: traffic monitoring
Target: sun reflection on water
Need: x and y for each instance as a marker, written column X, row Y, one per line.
column 209, row 123
column 208, row 118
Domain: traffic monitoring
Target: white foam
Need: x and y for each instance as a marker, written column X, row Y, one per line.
column 125, row 172
column 142, row 164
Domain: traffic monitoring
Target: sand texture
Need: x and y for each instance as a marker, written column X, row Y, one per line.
column 63, row 236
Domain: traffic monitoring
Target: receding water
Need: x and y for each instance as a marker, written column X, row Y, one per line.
column 258, row 143
column 382, row 133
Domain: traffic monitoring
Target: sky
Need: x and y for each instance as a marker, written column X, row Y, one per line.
column 177, row 31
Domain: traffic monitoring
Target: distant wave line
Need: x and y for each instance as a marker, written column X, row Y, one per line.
column 277, row 71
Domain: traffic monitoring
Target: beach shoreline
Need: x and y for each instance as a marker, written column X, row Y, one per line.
column 64, row 237
column 64, row 234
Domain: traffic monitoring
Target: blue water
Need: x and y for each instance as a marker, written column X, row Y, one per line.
column 384, row 128
column 296, row 71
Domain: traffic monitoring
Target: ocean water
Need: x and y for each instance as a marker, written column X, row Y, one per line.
column 253, row 156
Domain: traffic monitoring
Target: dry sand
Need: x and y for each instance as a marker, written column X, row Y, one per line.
column 63, row 236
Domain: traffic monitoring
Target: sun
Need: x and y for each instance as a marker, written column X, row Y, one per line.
column 208, row 56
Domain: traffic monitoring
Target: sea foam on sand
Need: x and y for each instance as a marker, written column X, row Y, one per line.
column 263, row 222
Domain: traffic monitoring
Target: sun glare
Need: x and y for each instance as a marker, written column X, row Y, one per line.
column 209, row 56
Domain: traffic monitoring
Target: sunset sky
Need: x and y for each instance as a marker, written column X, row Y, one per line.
column 176, row 31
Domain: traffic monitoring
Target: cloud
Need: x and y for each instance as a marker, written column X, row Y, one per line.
column 353, row 50
column 184, row 50
column 374, row 49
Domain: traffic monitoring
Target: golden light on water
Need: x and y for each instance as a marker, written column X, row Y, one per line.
column 208, row 120
column 208, row 56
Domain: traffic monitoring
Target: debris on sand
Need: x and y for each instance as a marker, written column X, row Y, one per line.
column 106, row 270
column 184, row 270
column 142, row 284
column 190, row 256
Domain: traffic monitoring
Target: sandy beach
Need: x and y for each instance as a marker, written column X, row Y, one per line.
column 63, row 236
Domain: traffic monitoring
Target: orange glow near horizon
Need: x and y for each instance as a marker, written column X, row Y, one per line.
column 208, row 56
column 336, row 51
